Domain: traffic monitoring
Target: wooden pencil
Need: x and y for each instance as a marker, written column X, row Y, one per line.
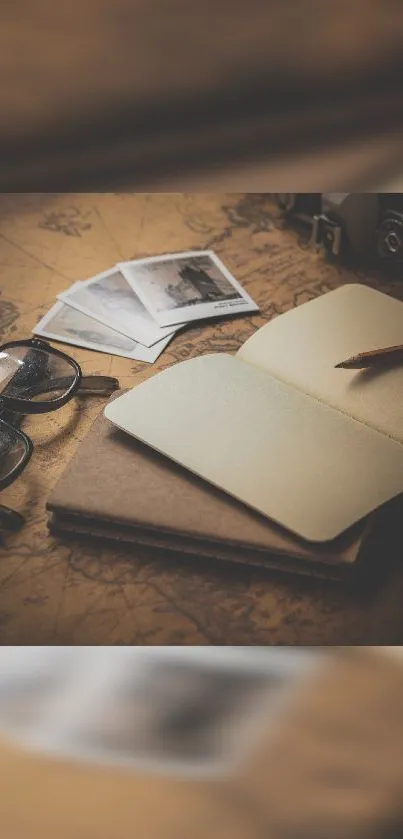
column 388, row 355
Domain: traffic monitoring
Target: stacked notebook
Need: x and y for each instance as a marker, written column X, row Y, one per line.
column 269, row 457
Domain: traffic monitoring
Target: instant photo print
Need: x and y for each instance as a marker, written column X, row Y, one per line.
column 166, row 710
column 183, row 287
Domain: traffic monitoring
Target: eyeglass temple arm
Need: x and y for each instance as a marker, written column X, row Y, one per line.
column 102, row 385
column 92, row 384
column 88, row 384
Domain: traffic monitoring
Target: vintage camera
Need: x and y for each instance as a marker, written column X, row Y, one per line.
column 365, row 227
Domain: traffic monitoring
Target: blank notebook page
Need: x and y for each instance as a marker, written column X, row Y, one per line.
column 307, row 467
column 302, row 347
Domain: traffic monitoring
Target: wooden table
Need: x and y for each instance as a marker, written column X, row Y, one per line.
column 56, row 593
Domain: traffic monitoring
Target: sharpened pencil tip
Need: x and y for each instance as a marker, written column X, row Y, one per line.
column 351, row 364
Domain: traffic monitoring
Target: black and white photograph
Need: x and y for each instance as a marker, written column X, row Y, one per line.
column 177, row 713
column 108, row 298
column 68, row 325
column 166, row 710
column 178, row 288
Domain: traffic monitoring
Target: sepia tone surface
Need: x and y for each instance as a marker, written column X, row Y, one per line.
column 68, row 593
column 331, row 767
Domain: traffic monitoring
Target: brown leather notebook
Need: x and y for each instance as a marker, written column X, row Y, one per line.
column 117, row 488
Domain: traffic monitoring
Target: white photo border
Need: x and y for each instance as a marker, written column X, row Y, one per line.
column 140, row 353
column 186, row 314
column 143, row 337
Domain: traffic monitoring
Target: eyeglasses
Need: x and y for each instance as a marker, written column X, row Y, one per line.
column 34, row 379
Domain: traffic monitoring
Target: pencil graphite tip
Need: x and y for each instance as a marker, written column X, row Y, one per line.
column 350, row 364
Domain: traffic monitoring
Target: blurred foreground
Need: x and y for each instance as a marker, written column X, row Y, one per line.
column 325, row 761
column 148, row 92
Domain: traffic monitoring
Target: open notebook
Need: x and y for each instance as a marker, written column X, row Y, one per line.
column 313, row 448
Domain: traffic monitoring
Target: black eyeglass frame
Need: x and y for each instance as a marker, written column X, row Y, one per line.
column 27, row 406
column 11, row 407
column 29, row 447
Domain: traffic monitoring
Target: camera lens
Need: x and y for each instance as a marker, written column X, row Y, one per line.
column 390, row 239
column 392, row 242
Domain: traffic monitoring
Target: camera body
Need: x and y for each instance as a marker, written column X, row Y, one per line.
column 366, row 227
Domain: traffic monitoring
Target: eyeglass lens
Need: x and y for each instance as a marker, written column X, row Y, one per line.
column 12, row 450
column 35, row 374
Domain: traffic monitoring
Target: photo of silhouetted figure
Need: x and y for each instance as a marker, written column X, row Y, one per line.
column 196, row 285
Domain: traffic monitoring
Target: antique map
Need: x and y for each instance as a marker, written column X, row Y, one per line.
column 53, row 592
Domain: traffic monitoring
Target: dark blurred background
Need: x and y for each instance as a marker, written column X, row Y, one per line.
column 236, row 95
